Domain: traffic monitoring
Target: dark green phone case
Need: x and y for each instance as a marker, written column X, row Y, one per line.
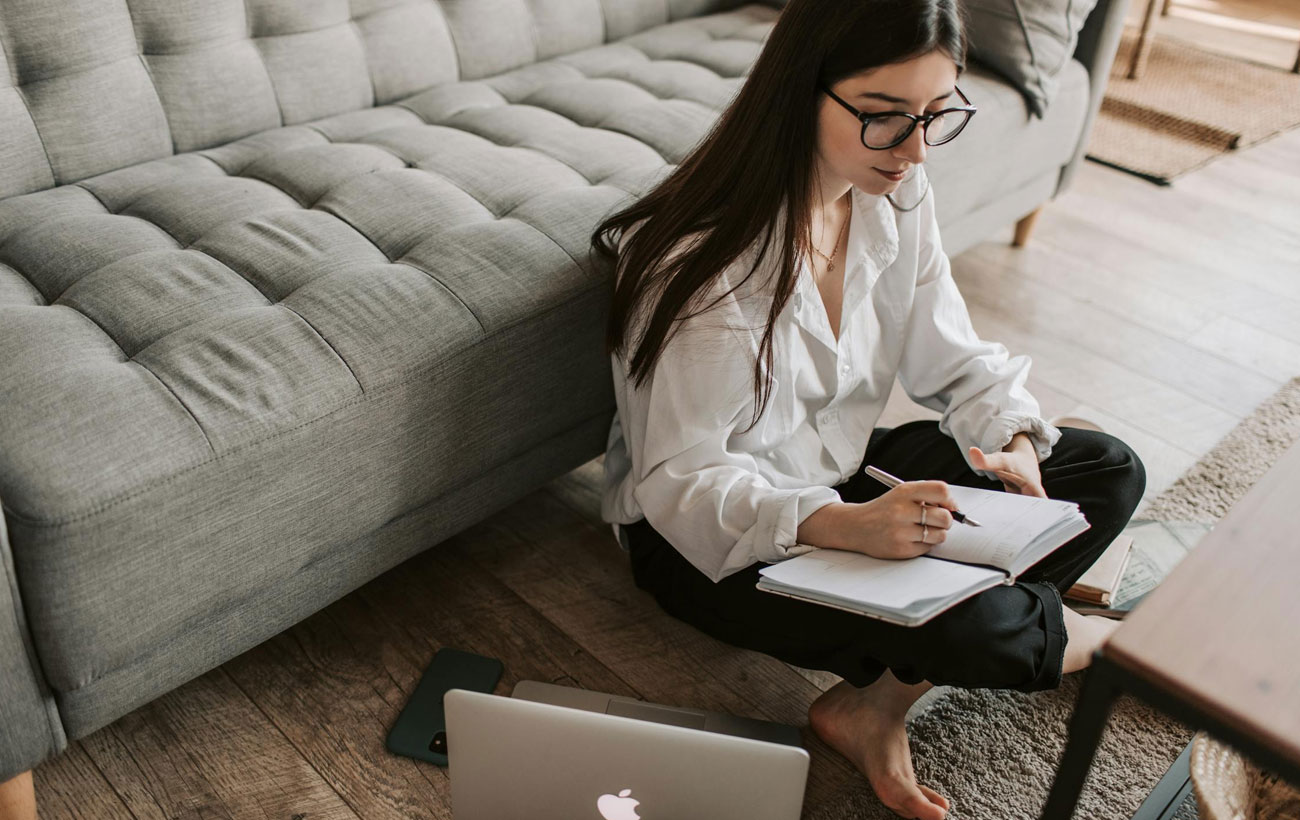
column 421, row 729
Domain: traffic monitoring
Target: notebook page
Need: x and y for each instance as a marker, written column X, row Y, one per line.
column 892, row 584
column 1048, row 541
column 1009, row 523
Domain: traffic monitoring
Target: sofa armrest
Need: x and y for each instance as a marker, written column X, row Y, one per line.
column 30, row 728
column 1098, row 41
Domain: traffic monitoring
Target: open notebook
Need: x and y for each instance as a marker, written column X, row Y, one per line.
column 1017, row 531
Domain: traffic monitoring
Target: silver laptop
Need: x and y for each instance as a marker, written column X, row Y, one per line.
column 558, row 753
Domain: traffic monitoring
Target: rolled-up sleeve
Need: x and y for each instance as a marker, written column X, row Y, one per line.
column 710, row 501
column 977, row 385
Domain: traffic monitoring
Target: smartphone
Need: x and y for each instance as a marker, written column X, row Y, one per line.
column 420, row 731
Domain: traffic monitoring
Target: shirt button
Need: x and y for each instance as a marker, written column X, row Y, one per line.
column 844, row 371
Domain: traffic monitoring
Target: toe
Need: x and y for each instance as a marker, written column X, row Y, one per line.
column 921, row 808
column 934, row 796
column 917, row 805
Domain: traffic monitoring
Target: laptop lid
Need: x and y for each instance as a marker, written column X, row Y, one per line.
column 591, row 701
column 512, row 758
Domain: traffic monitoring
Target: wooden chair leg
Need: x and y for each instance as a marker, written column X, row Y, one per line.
column 18, row 798
column 1143, row 47
column 1025, row 227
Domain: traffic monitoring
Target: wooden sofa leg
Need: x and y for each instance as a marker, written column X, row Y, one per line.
column 1025, row 227
column 18, row 798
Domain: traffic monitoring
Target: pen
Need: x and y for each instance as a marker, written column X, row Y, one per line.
column 893, row 481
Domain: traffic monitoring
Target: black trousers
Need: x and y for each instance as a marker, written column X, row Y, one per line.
column 1008, row 637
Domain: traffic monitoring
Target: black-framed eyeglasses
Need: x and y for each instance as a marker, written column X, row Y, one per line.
column 889, row 128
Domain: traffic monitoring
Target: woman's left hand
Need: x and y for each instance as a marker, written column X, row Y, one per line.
column 1017, row 466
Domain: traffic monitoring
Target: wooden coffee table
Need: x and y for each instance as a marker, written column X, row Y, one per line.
column 1216, row 646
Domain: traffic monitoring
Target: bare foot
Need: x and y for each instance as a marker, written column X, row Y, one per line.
column 867, row 727
column 1084, row 633
column 1109, row 625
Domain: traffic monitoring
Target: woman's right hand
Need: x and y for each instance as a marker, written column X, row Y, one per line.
column 889, row 526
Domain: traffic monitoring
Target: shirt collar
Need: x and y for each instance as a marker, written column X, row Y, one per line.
column 873, row 234
column 872, row 247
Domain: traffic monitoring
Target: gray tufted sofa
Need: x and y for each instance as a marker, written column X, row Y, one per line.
column 291, row 291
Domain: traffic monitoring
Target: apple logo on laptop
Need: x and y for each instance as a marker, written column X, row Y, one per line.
column 618, row 807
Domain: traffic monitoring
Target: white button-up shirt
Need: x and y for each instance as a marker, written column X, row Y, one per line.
column 725, row 498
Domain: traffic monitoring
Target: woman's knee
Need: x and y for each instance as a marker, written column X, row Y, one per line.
column 1113, row 465
column 1128, row 465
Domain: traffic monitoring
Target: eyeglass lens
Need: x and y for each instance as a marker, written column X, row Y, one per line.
column 883, row 132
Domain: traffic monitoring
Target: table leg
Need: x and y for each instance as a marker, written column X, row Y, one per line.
column 1168, row 795
column 1096, row 698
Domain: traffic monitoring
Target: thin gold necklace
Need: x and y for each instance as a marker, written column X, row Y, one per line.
column 830, row 267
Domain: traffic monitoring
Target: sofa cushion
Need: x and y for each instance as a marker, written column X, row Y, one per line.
column 415, row 278
column 93, row 86
column 1027, row 41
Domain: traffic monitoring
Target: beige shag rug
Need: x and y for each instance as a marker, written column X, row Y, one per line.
column 1188, row 107
column 993, row 753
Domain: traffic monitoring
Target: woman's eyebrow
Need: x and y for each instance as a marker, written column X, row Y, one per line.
column 888, row 98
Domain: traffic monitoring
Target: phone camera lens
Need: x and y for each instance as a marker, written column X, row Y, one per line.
column 439, row 744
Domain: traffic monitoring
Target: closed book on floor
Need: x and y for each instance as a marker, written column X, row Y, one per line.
column 1018, row 531
column 1100, row 583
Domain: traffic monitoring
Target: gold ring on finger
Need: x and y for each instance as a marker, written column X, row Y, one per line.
column 925, row 533
column 922, row 515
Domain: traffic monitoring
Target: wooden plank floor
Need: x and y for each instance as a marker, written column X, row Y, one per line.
column 1165, row 314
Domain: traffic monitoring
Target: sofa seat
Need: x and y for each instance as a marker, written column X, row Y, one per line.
column 223, row 365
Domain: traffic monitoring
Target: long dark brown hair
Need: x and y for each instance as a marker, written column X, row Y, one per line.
column 758, row 158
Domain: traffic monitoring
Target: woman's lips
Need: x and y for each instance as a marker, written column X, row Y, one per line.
column 895, row 177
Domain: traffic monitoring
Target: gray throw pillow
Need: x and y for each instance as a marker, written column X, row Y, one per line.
column 1027, row 41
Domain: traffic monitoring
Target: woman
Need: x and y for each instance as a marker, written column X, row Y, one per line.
column 753, row 352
